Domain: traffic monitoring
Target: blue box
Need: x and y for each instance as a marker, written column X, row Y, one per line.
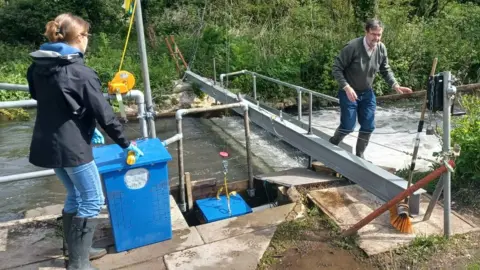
column 214, row 209
column 138, row 195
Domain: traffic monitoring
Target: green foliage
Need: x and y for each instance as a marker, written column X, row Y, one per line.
column 23, row 21
column 467, row 135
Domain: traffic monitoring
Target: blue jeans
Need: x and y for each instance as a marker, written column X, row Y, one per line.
column 84, row 189
column 364, row 108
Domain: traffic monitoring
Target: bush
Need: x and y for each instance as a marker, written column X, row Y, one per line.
column 23, row 21
column 467, row 135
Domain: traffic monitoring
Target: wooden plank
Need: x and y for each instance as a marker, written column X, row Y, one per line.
column 208, row 188
column 188, row 187
column 320, row 167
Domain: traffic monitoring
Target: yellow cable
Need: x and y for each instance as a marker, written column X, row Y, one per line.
column 128, row 35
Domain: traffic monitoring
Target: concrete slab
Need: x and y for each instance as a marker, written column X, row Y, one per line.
column 242, row 252
column 54, row 264
column 178, row 221
column 44, row 211
column 30, row 243
column 255, row 221
column 297, row 177
column 156, row 264
column 349, row 204
column 3, row 239
column 182, row 239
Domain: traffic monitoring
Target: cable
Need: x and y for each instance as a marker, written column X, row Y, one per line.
column 128, row 35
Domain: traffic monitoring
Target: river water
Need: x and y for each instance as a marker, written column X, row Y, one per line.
column 201, row 159
column 395, row 132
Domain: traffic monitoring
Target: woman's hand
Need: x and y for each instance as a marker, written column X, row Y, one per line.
column 98, row 137
column 133, row 147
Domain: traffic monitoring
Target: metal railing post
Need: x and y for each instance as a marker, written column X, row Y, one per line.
column 310, row 114
column 254, row 87
column 246, row 121
column 299, row 104
column 181, row 168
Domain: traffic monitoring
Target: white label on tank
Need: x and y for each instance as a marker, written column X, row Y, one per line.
column 136, row 178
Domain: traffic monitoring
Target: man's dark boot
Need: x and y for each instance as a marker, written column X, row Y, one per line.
column 362, row 143
column 337, row 137
column 79, row 241
column 95, row 253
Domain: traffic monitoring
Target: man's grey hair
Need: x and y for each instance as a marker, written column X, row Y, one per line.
column 372, row 24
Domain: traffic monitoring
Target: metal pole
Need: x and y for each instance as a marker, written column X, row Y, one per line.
column 254, row 87
column 446, row 149
column 310, row 113
column 299, row 104
column 144, row 65
column 214, row 72
column 434, row 199
column 246, row 120
column 181, row 169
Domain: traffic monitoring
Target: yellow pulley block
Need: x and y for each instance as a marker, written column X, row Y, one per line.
column 121, row 84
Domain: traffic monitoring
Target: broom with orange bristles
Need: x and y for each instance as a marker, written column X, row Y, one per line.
column 400, row 214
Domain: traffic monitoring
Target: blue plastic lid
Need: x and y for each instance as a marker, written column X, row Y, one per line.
column 113, row 158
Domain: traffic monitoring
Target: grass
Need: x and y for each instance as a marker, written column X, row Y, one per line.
column 289, row 234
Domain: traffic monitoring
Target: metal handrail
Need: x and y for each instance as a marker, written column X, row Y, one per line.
column 289, row 85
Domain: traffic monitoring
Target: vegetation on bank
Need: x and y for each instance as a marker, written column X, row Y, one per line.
column 292, row 40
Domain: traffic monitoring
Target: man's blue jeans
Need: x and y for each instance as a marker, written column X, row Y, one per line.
column 84, row 189
column 364, row 108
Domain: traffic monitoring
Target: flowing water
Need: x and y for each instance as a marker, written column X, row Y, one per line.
column 201, row 159
column 396, row 131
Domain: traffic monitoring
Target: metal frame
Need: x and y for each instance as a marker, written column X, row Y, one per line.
column 181, row 168
column 448, row 94
column 374, row 179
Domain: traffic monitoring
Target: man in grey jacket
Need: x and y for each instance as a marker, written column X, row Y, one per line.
column 355, row 69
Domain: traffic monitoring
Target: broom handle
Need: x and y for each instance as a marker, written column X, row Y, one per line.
column 407, row 192
column 420, row 129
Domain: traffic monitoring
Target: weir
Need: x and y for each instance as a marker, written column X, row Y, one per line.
column 314, row 143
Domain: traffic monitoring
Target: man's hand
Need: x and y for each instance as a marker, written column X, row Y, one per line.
column 352, row 96
column 402, row 90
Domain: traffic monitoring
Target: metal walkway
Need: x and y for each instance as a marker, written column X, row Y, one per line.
column 374, row 179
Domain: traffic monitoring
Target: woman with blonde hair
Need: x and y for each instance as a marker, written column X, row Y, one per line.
column 69, row 103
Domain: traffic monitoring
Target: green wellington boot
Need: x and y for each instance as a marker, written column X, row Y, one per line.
column 362, row 143
column 79, row 241
column 337, row 137
column 94, row 253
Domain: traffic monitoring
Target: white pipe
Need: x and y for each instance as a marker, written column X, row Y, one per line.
column 14, row 87
column 25, row 176
column 18, row 104
column 173, row 139
column 139, row 98
column 230, row 74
